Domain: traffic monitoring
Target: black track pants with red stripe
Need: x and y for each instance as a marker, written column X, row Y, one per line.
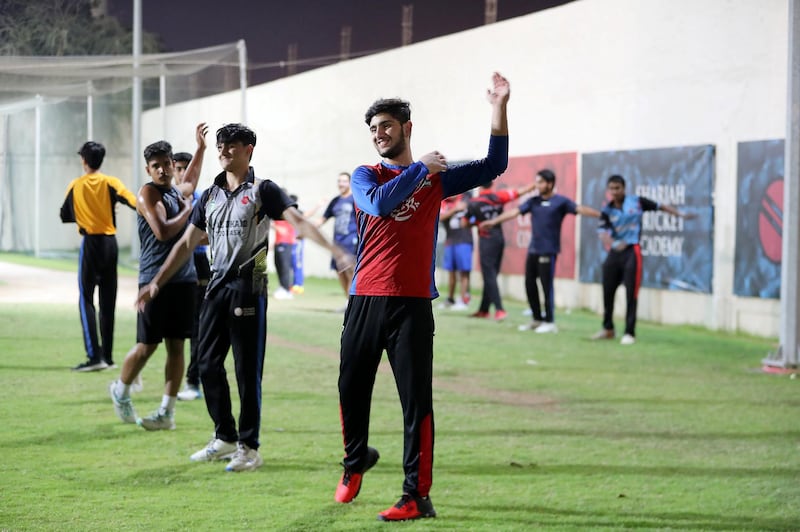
column 622, row 267
column 403, row 326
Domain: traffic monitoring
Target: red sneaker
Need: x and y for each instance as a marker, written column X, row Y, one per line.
column 409, row 507
column 500, row 315
column 479, row 314
column 350, row 483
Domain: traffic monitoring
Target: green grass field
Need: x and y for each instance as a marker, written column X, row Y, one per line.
column 549, row 432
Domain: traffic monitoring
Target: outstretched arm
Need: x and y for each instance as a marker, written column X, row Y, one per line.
column 506, row 215
column 306, row 229
column 587, row 211
column 675, row 212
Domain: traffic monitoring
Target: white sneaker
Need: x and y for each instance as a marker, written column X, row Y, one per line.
column 158, row 420
column 546, row 327
column 215, row 450
column 532, row 326
column 459, row 305
column 628, row 340
column 282, row 293
column 245, row 459
column 123, row 407
column 189, row 393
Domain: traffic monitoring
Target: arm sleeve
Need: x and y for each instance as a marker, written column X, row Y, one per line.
column 329, row 209
column 68, row 208
column 380, row 200
column 273, row 200
column 198, row 216
column 604, row 223
column 648, row 204
column 570, row 206
column 468, row 176
column 122, row 194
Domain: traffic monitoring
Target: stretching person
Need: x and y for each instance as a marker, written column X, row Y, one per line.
column 487, row 205
column 547, row 210
column 90, row 202
column 342, row 210
column 620, row 229
column 397, row 209
column 165, row 210
column 234, row 212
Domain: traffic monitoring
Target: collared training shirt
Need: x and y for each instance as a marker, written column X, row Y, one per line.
column 625, row 224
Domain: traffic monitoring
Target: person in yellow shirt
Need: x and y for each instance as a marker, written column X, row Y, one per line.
column 90, row 202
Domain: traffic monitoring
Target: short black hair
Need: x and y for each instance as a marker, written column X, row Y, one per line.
column 93, row 153
column 616, row 178
column 162, row 147
column 397, row 108
column 547, row 175
column 182, row 157
column 234, row 133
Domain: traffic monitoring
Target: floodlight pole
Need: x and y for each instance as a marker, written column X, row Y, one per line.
column 787, row 354
column 136, row 111
column 242, row 47
column 162, row 101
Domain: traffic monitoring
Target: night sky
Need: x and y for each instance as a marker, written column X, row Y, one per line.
column 269, row 26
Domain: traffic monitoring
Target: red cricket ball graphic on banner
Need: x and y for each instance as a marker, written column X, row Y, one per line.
column 770, row 221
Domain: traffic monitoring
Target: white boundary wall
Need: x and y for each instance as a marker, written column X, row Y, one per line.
column 593, row 75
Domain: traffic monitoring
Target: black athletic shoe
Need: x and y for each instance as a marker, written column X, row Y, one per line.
column 90, row 366
column 407, row 508
column 350, row 484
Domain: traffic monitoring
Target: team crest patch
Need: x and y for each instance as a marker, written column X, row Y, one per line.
column 246, row 311
column 245, row 200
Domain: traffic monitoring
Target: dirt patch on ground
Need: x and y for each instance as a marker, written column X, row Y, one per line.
column 27, row 284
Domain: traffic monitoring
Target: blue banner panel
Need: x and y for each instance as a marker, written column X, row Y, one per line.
column 759, row 219
column 677, row 253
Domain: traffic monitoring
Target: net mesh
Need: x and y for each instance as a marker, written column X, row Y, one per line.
column 58, row 89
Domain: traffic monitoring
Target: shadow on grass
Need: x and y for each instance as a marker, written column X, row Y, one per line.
column 546, row 516
column 621, row 435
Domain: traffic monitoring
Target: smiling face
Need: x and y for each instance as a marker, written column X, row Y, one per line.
column 234, row 156
column 159, row 168
column 389, row 136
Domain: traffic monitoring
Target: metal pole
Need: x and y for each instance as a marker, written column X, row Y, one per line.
column 162, row 101
column 89, row 111
column 243, row 77
column 787, row 354
column 37, row 175
column 136, row 112
column 790, row 289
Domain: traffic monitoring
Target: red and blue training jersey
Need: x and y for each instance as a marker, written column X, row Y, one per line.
column 397, row 212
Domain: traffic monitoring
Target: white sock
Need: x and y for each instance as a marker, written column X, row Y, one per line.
column 122, row 390
column 168, row 403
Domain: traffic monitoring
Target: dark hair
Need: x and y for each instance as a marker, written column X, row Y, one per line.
column 182, row 157
column 547, row 175
column 616, row 178
column 162, row 147
column 234, row 133
column 93, row 153
column 397, row 108
column 345, row 173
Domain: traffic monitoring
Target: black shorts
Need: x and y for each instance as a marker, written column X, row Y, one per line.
column 169, row 315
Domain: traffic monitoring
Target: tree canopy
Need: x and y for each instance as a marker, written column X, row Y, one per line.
column 64, row 27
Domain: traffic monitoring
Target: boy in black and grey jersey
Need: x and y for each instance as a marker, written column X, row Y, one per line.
column 235, row 213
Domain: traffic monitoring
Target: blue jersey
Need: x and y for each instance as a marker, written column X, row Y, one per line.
column 625, row 224
column 546, row 217
column 343, row 212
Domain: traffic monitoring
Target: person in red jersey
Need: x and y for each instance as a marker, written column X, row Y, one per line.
column 397, row 212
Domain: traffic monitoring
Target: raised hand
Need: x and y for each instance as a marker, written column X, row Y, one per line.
column 200, row 134
column 500, row 90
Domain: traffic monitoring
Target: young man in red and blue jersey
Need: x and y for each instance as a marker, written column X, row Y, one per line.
column 621, row 228
column 397, row 211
